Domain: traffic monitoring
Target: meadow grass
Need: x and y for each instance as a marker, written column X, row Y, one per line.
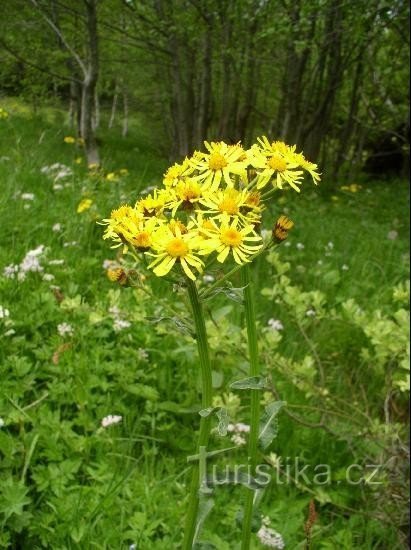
column 67, row 482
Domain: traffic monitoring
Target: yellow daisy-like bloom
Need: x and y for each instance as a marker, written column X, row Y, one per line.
column 277, row 164
column 220, row 163
column 177, row 172
column 153, row 204
column 84, row 205
column 112, row 176
column 120, row 222
column 187, row 193
column 230, row 202
column 69, row 139
column 171, row 246
column 133, row 229
column 231, row 237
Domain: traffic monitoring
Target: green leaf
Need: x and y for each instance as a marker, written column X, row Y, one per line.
column 252, row 383
column 268, row 424
column 13, row 498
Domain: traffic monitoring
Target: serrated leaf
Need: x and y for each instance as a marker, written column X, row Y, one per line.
column 206, row 412
column 251, row 383
column 179, row 323
column 268, row 424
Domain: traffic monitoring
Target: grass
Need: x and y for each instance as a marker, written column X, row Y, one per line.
column 67, row 483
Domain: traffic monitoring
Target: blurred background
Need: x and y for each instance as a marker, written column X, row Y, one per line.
column 328, row 75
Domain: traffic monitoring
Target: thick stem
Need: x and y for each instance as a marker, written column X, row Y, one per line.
column 206, row 401
column 255, row 400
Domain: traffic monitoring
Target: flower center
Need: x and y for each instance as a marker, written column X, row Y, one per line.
column 277, row 163
column 217, row 161
column 229, row 206
column 177, row 248
column 142, row 240
column 231, row 237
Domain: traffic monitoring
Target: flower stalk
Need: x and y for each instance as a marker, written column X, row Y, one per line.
column 255, row 400
column 206, row 401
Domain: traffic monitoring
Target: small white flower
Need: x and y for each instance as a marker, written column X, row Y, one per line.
column 270, row 538
column 27, row 196
column 48, row 277
column 10, row 332
column 4, row 312
column 208, row 278
column 392, row 235
column 330, row 245
column 310, row 313
column 275, row 324
column 56, row 262
column 242, row 428
column 287, row 244
column 345, row 267
column 238, row 440
column 110, row 420
column 65, row 329
column 142, row 353
column 70, row 243
column 320, row 262
column 1, row 422
column 27, row 206
column 120, row 324
column 56, row 227
column 58, row 187
column 10, row 271
column 300, row 246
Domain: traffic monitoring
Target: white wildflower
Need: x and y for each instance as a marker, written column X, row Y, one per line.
column 345, row 267
column 65, row 329
column 208, row 278
column 242, row 428
column 58, row 187
column 70, row 243
column 56, row 262
column 120, row 324
column 108, row 263
column 10, row 271
column 48, row 277
column 275, row 324
column 392, row 235
column 310, row 313
column 10, row 332
column 238, row 440
column 4, row 312
column 27, row 196
column 110, row 420
column 287, row 244
column 56, row 227
column 300, row 246
column 142, row 353
column 1, row 422
column 270, row 538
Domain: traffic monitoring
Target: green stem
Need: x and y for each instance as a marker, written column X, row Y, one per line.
column 206, row 401
column 255, row 400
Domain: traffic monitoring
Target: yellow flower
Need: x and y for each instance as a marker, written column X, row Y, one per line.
column 3, row 114
column 69, row 139
column 153, row 204
column 275, row 163
column 124, row 172
column 127, row 225
column 111, row 176
column 78, row 160
column 84, row 205
column 177, row 172
column 174, row 246
column 281, row 229
column 219, row 164
column 117, row 274
column 231, row 237
column 93, row 166
column 187, row 192
column 230, row 202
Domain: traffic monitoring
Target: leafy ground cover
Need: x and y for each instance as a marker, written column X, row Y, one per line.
column 76, row 348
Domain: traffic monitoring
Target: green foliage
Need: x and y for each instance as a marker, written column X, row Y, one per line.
column 339, row 362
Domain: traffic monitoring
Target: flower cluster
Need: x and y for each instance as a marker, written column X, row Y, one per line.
column 210, row 207
column 269, row 537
